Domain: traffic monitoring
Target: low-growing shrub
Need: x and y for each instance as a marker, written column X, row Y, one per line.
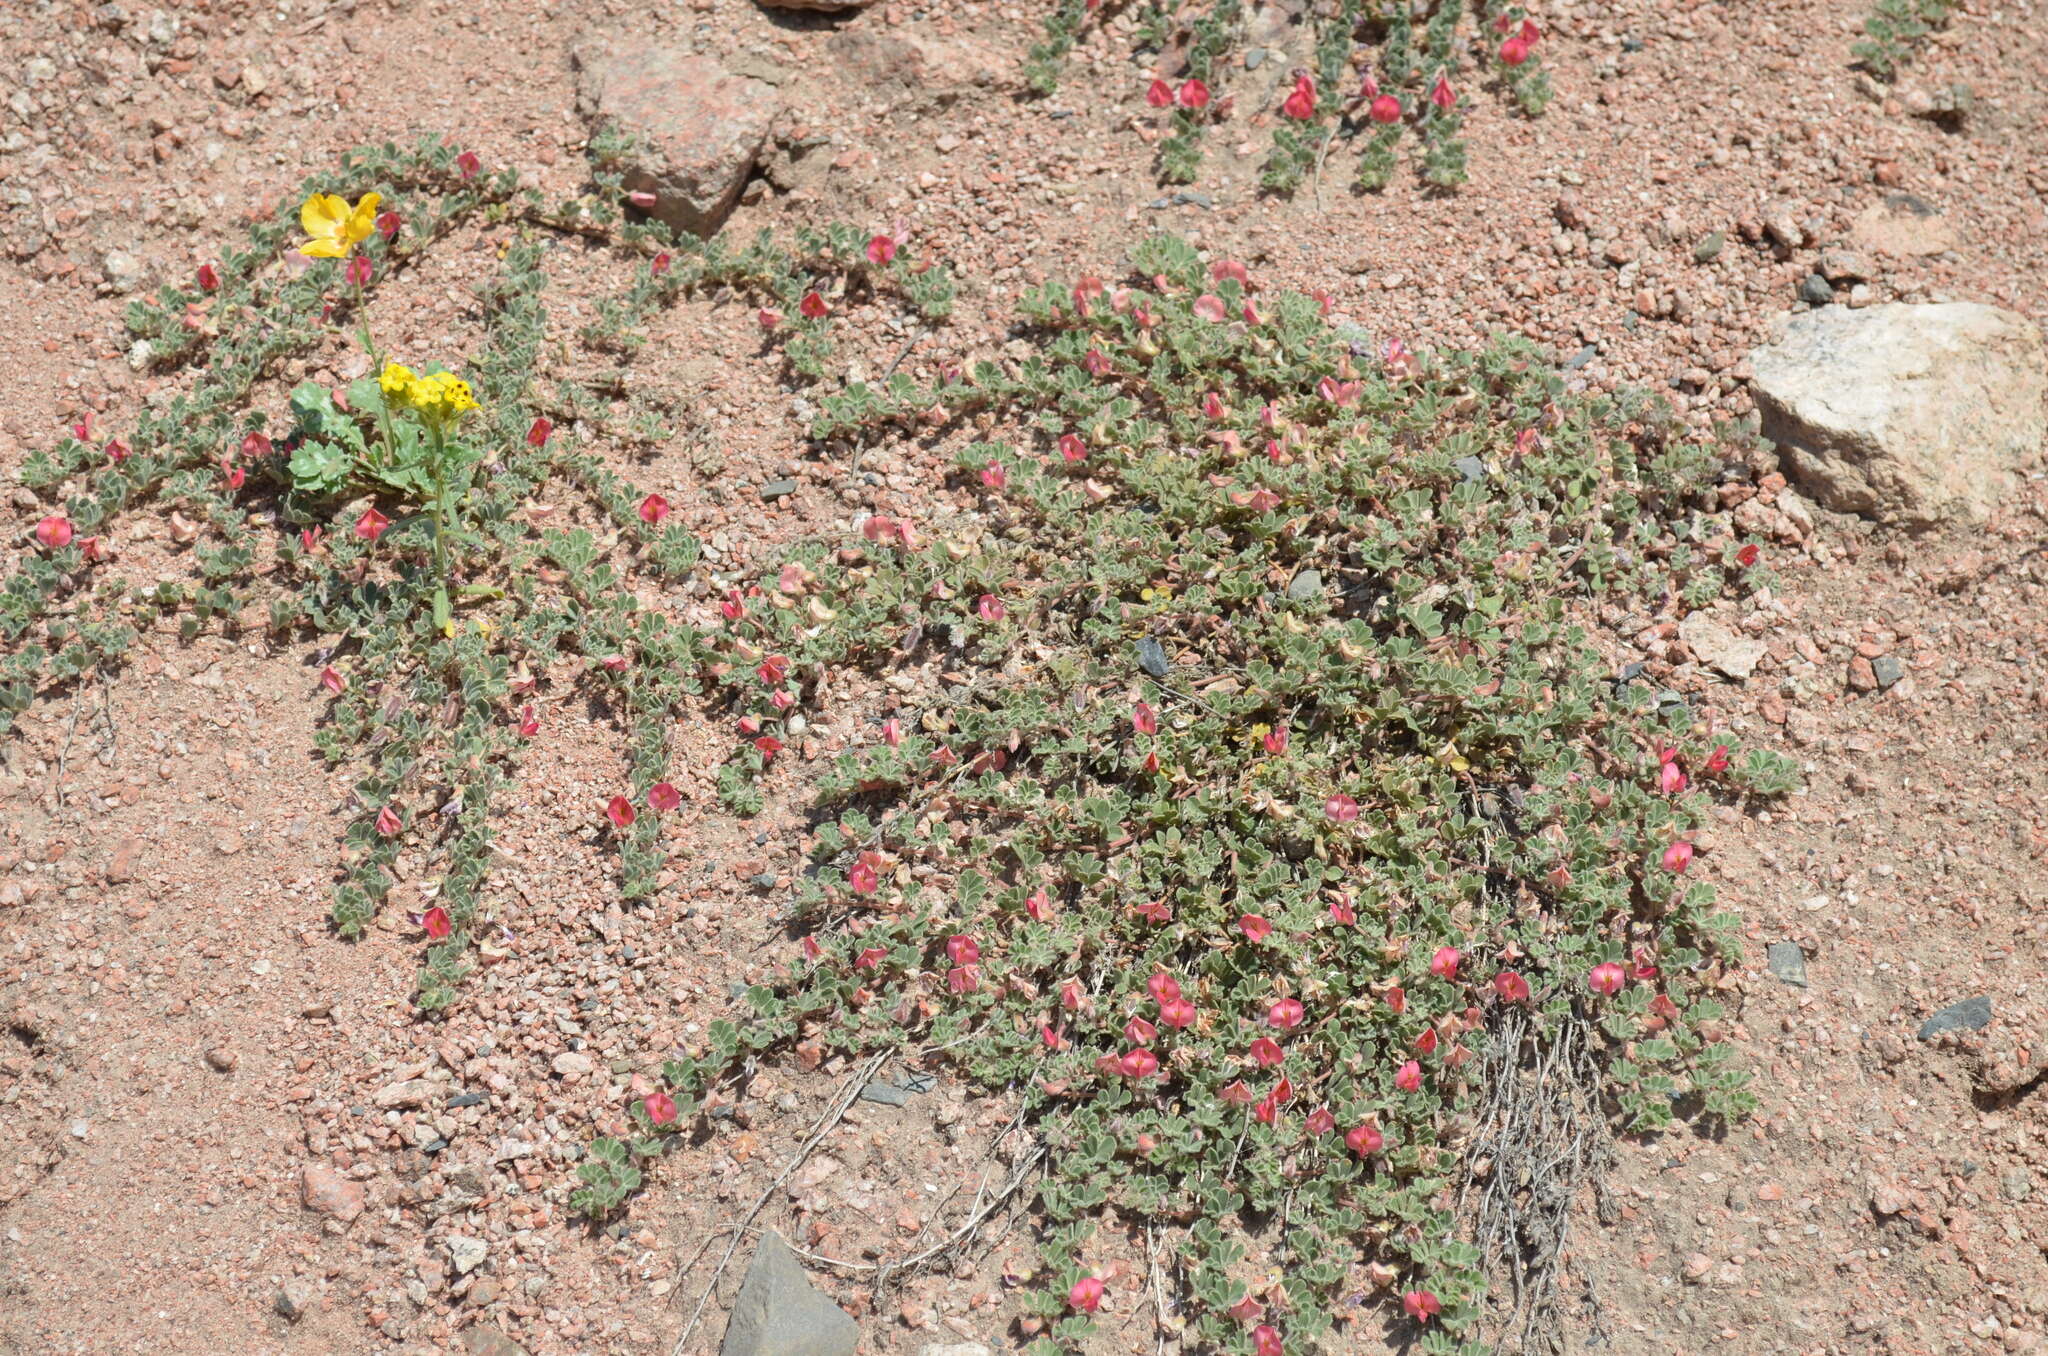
column 1273, row 761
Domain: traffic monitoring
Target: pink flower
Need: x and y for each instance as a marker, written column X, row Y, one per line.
column 1397, row 1000
column 1237, row 1094
column 1138, row 1031
column 1409, row 1078
column 613, row 663
column 1177, row 1013
column 620, row 812
column 1717, row 761
column 1511, row 987
column 813, row 307
column 1385, row 109
column 371, row 525
column 1365, row 1139
column 209, row 278
column 1671, row 779
column 653, row 509
column 962, row 949
column 388, row 224
column 881, row 249
column 892, row 732
column 1231, row 268
column 1425, row 1044
column 1607, row 979
column 663, row 797
column 1320, row 1121
column 767, row 746
column 1276, row 740
column 994, row 476
column 1210, row 307
column 55, row 532
column 1213, row 407
column 309, row 539
column 1246, row 1310
column 1444, row 964
column 1086, row 1296
column 1677, row 857
column 1159, row 94
column 1529, row 32
column 1300, row 104
column 1193, row 94
column 773, row 669
column 1342, row 912
column 1144, row 720
column 768, row 317
column 1097, row 362
column 331, row 679
column 1421, row 1305
column 963, row 979
column 1254, row 927
column 529, row 723
column 1072, row 448
column 388, row 823
column 468, row 164
column 1514, row 52
column 436, row 923
column 1266, row 1341
column 1747, row 556
column 359, row 270
column 234, row 475
column 1139, row 1064
column 1265, row 1052
column 869, row 958
column 660, row 1107
column 1340, row 808
column 1164, row 988
column 117, row 451
column 658, row 265
column 1285, row 1014
column 1441, row 94
column 537, row 433
column 865, row 877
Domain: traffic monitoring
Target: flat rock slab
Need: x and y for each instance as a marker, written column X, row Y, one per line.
column 1972, row 1014
column 1787, row 962
column 696, row 128
column 1912, row 415
column 778, row 1314
column 1904, row 227
column 1721, row 647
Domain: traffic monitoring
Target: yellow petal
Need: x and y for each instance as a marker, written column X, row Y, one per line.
column 364, row 219
column 323, row 214
column 323, row 249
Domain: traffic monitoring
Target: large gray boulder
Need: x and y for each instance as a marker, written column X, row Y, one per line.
column 778, row 1314
column 697, row 129
column 1912, row 415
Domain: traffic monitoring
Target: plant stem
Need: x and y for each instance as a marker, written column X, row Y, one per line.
column 369, row 344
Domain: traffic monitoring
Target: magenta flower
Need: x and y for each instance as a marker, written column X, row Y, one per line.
column 1300, row 103
column 468, row 164
column 866, row 876
column 813, row 307
column 1384, row 109
column 1086, row 1296
column 529, row 723
column 209, row 278
column 331, row 679
column 1320, row 1121
column 1210, row 307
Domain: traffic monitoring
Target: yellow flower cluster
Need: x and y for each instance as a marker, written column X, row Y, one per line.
column 441, row 398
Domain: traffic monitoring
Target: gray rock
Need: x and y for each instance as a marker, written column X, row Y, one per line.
column 1912, row 415
column 2015, row 1184
column 696, row 128
column 1839, row 265
column 1709, row 248
column 485, row 1340
column 467, row 1253
column 1720, row 647
column 294, row 1298
column 1787, row 962
column 778, row 1314
column 1471, row 468
column 124, row 270
column 956, row 1349
column 1306, row 585
column 1889, row 669
column 1152, row 657
column 778, row 489
column 1815, row 291
column 1972, row 1014
column 887, row 1094
column 572, row 1064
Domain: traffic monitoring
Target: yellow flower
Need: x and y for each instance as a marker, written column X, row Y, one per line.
column 396, row 383
column 442, row 398
column 336, row 227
